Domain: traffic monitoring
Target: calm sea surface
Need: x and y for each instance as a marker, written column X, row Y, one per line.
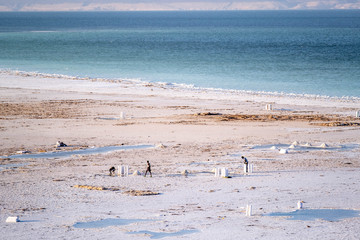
column 303, row 52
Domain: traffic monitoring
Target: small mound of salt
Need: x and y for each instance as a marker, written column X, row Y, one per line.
column 273, row 148
column 185, row 173
column 292, row 146
column 160, row 145
column 295, row 143
column 324, row 145
column 136, row 173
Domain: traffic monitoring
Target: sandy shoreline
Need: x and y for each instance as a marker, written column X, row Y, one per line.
column 38, row 111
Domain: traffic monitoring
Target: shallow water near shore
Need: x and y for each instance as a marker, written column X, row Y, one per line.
column 330, row 215
column 158, row 235
column 107, row 223
column 87, row 151
column 301, row 52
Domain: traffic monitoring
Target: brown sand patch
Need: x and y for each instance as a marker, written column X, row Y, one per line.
column 317, row 119
column 99, row 188
column 140, row 193
column 43, row 109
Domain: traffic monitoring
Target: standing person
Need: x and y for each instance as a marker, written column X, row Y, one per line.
column 246, row 163
column 148, row 169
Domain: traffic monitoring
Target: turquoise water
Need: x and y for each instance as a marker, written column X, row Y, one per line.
column 302, row 52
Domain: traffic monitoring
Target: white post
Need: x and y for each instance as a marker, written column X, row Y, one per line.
column 126, row 170
column 217, row 172
column 248, row 210
column 123, row 171
column 224, row 172
column 251, row 168
column 122, row 115
column 357, row 114
column 268, row 107
column 300, row 205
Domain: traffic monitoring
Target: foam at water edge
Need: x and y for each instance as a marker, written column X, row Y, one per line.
column 184, row 86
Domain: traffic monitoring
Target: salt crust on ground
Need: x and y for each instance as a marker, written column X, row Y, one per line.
column 36, row 112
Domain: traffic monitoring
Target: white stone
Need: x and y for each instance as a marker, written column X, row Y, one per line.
column 283, row 151
column 12, row 219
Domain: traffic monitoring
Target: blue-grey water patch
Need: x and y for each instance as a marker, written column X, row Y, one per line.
column 12, row 166
column 158, row 235
column 313, row 214
column 87, row 151
column 103, row 223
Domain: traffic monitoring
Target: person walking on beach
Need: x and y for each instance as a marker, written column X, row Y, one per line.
column 148, row 169
column 246, row 163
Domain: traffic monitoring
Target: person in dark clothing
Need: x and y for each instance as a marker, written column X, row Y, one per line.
column 148, row 169
column 246, row 162
column 112, row 171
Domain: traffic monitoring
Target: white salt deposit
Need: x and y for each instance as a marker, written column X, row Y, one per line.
column 324, row 145
column 136, row 173
column 283, row 151
column 12, row 219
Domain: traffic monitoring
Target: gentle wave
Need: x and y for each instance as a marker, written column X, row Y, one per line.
column 179, row 86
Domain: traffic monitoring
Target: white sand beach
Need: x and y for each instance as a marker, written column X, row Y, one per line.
column 183, row 129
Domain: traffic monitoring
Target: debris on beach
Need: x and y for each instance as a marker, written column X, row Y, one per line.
column 23, row 152
column 60, row 144
column 185, row 173
column 207, row 114
column 339, row 124
column 140, row 193
column 96, row 188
